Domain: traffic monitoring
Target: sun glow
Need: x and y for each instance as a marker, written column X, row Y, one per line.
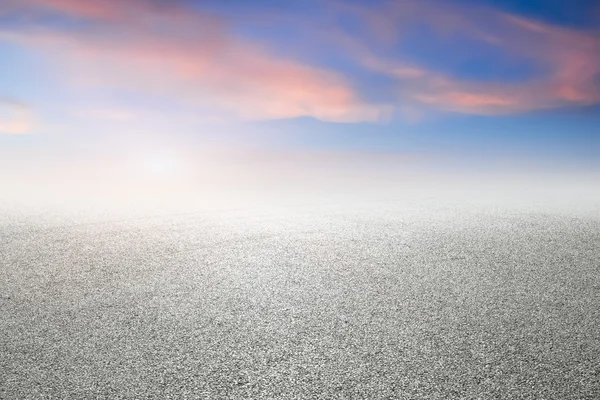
column 158, row 166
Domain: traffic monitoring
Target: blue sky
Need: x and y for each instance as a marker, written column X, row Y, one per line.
column 474, row 81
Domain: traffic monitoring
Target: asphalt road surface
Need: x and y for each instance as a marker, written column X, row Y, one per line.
column 372, row 301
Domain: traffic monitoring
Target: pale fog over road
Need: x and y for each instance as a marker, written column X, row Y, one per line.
column 365, row 299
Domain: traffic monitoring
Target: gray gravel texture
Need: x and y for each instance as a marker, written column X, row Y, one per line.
column 378, row 301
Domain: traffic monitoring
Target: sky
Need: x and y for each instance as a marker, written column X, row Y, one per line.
column 111, row 93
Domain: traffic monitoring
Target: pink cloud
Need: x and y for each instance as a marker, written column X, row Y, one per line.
column 571, row 56
column 193, row 57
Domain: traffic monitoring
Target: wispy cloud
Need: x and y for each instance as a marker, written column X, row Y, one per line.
column 193, row 56
column 15, row 118
column 571, row 57
column 189, row 55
